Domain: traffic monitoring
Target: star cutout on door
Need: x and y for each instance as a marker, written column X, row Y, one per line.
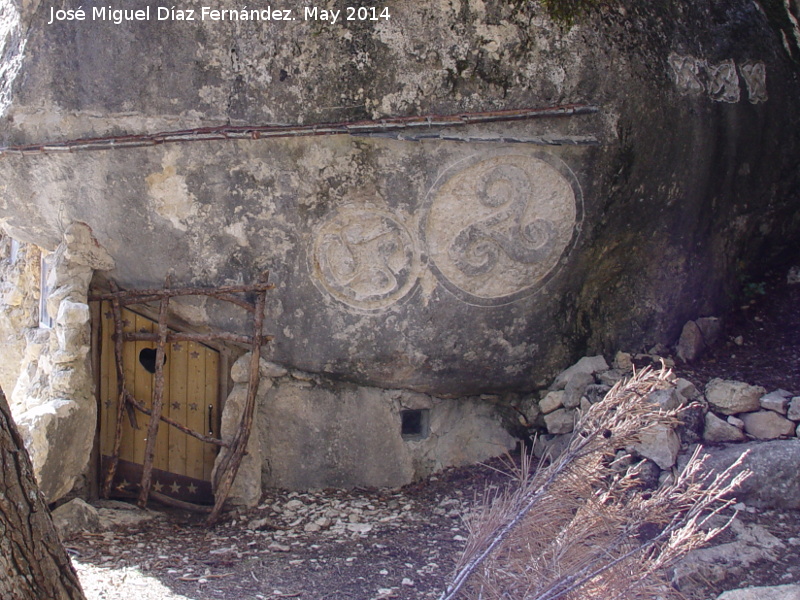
column 175, row 487
column 175, row 405
column 109, row 403
column 193, row 406
column 108, row 315
column 176, row 347
column 194, row 354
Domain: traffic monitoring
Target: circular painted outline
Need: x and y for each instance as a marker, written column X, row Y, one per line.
column 407, row 289
column 534, row 288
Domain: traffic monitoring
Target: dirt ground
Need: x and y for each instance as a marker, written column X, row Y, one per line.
column 404, row 543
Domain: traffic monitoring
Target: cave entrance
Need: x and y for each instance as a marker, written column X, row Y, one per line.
column 182, row 464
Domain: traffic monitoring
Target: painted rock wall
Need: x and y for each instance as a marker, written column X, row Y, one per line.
column 481, row 259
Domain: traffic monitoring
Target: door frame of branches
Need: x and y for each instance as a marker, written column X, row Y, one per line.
column 228, row 466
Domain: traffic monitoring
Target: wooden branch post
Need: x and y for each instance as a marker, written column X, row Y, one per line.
column 116, row 311
column 229, row 465
column 158, row 401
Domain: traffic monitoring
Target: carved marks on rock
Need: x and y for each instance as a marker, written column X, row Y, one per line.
column 497, row 228
column 365, row 258
column 720, row 81
column 492, row 231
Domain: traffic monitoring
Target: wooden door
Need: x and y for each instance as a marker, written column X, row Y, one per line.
column 182, row 464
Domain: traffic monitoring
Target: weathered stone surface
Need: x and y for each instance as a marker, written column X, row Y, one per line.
column 692, row 424
column 246, row 489
column 752, row 544
column 551, row 402
column 710, row 327
column 767, row 425
column 560, row 421
column 718, row 431
column 794, row 409
column 775, row 592
column 19, row 283
column 596, row 392
column 774, row 482
column 576, row 386
column 323, row 433
column 53, row 398
column 690, row 344
column 114, row 513
column 667, row 399
column 777, row 401
column 622, row 361
column 686, row 389
column 381, row 249
column 588, row 365
column 731, row 397
column 735, row 421
column 75, row 516
column 82, row 248
column 660, row 444
column 612, row 376
column 240, row 371
column 551, row 446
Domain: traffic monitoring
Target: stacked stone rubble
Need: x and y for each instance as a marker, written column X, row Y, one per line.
column 724, row 412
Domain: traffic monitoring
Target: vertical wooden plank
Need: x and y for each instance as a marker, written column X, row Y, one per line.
column 143, row 386
column 96, row 309
column 212, row 400
column 179, row 355
column 121, row 393
column 129, row 360
column 108, row 381
column 164, row 431
column 153, row 427
column 195, row 386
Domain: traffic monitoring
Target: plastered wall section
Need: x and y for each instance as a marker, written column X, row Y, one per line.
column 314, row 432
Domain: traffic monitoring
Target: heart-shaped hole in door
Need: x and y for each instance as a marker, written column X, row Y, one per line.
column 147, row 358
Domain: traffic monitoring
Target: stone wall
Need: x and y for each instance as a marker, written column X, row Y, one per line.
column 52, row 397
column 19, row 308
column 311, row 432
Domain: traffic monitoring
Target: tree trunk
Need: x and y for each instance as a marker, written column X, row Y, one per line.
column 33, row 562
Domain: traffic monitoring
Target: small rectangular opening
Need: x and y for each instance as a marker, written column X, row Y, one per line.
column 414, row 424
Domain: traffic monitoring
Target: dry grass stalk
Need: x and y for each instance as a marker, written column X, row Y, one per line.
column 581, row 528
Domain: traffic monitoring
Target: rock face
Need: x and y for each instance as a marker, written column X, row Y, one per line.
column 752, row 544
column 481, row 259
column 776, row 592
column 773, row 483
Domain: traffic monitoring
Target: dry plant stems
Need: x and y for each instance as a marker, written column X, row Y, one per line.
column 582, row 526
